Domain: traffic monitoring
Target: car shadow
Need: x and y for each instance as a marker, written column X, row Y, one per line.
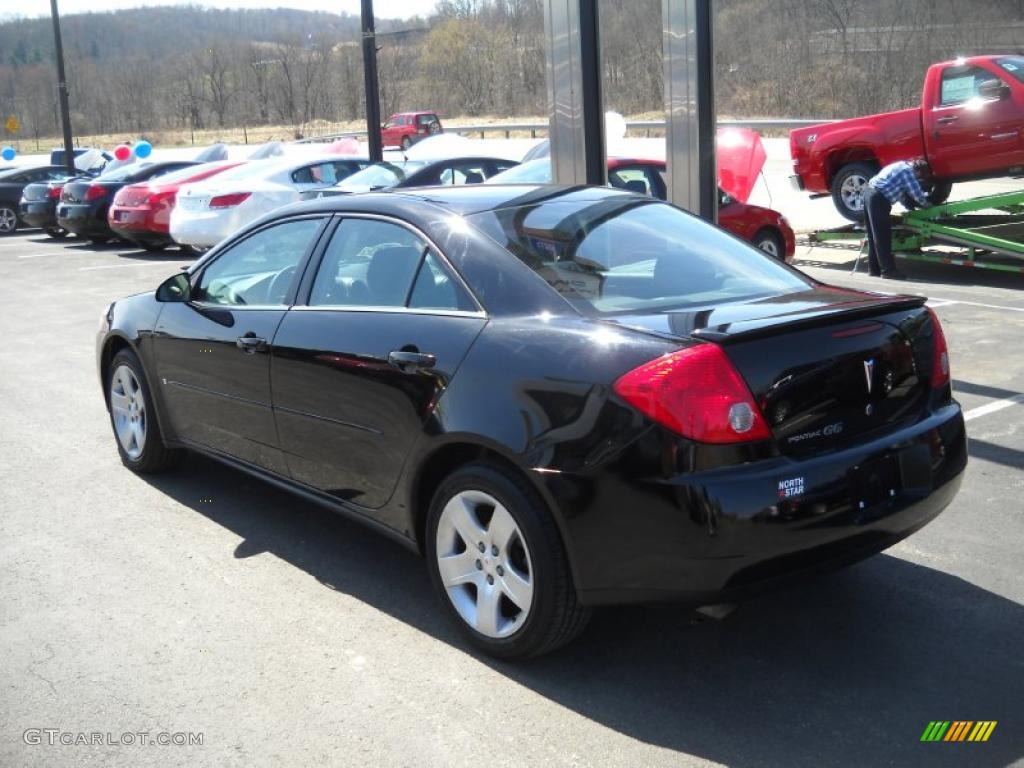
column 172, row 255
column 843, row 669
column 917, row 271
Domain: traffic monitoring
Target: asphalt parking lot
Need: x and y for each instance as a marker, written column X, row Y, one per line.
column 204, row 601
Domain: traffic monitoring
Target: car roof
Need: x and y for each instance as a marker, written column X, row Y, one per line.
column 463, row 200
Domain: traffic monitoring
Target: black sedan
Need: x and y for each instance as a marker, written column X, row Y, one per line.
column 402, row 174
column 13, row 183
column 556, row 422
column 38, row 206
column 84, row 203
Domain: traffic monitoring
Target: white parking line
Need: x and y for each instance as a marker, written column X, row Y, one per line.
column 998, row 405
column 934, row 302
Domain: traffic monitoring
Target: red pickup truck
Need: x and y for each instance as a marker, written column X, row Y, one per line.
column 970, row 125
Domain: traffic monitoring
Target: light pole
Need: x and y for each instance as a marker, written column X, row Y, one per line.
column 62, row 91
column 373, row 136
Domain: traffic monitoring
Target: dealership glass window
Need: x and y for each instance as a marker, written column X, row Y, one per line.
column 961, row 84
column 258, row 270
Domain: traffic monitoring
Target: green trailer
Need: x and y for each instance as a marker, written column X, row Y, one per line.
column 983, row 232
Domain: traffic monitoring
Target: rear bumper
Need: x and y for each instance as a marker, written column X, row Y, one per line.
column 201, row 229
column 83, row 219
column 710, row 536
column 38, row 213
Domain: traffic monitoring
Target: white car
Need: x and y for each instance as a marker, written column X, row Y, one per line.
column 209, row 211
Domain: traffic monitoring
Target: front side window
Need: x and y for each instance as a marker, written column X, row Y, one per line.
column 624, row 254
column 962, row 84
column 260, row 269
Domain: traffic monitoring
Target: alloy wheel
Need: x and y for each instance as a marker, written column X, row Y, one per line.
column 484, row 564
column 768, row 246
column 8, row 221
column 852, row 191
column 128, row 407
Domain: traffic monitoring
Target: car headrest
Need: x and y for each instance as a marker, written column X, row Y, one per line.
column 474, row 177
column 637, row 185
column 391, row 273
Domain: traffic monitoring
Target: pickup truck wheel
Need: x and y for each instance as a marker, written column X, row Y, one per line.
column 848, row 189
column 940, row 191
column 406, row 142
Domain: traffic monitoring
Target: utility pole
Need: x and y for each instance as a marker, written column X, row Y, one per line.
column 370, row 82
column 62, row 90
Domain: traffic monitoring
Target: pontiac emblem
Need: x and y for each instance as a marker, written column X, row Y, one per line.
column 869, row 369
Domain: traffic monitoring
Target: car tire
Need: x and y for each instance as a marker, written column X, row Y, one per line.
column 848, row 187
column 940, row 192
column 99, row 239
column 770, row 241
column 133, row 417
column 57, row 233
column 8, row 221
column 522, row 557
column 154, row 247
column 406, row 142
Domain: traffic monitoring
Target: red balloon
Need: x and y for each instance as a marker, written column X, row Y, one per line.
column 123, row 152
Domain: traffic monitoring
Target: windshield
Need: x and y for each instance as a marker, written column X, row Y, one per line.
column 381, row 175
column 1014, row 65
column 532, row 172
column 673, row 260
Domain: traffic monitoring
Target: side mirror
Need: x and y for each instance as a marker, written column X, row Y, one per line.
column 175, row 289
column 994, row 89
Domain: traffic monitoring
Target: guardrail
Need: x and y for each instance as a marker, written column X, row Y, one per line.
column 634, row 125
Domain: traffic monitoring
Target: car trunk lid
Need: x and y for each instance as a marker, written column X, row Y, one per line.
column 827, row 367
column 74, row 191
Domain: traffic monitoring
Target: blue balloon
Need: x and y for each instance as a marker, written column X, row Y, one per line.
column 8, row 153
column 143, row 149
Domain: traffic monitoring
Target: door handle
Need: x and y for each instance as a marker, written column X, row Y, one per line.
column 251, row 343
column 410, row 361
column 947, row 119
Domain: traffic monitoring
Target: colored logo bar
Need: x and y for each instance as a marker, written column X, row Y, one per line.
column 958, row 730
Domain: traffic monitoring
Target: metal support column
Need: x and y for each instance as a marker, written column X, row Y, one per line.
column 690, row 106
column 574, row 92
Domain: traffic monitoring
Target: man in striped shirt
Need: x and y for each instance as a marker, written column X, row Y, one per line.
column 899, row 182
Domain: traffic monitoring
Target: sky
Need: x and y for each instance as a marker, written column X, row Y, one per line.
column 385, row 9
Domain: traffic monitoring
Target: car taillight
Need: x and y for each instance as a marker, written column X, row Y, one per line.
column 159, row 198
column 94, row 191
column 697, row 393
column 54, row 193
column 227, row 201
column 940, row 354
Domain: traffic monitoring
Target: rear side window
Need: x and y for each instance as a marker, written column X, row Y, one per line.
column 626, row 254
column 371, row 263
column 961, row 84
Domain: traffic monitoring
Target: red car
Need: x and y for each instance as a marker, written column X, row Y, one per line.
column 970, row 125
column 406, row 128
column 141, row 213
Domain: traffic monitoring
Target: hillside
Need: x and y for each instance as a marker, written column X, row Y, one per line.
column 180, row 71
